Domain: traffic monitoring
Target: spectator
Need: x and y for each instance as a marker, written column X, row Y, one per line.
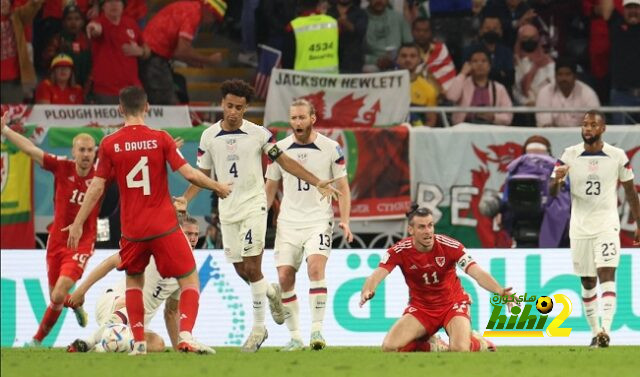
column 513, row 14
column 352, row 26
column 72, row 41
column 273, row 19
column 213, row 236
column 169, row 35
column 599, row 46
column 533, row 67
column 117, row 43
column 435, row 54
column 472, row 87
column 625, row 55
column 17, row 74
column 60, row 88
column 312, row 41
column 386, row 31
column 135, row 9
column 423, row 92
column 490, row 38
column 249, row 53
column 566, row 92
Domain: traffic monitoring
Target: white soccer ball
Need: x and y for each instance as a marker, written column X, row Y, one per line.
column 116, row 338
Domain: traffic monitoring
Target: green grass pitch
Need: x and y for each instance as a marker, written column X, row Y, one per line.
column 333, row 361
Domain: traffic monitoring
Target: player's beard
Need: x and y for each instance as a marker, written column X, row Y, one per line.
column 591, row 140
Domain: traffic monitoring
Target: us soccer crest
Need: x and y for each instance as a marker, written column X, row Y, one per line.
column 302, row 157
column 440, row 261
column 4, row 157
column 232, row 145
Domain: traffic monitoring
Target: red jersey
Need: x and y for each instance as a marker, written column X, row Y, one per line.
column 71, row 95
column 137, row 156
column 431, row 276
column 112, row 70
column 177, row 20
column 69, row 192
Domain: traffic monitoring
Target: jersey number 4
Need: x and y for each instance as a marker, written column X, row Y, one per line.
column 143, row 168
column 234, row 170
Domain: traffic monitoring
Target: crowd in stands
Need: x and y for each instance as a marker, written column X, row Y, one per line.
column 571, row 53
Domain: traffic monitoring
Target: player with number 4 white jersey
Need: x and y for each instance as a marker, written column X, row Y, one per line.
column 595, row 168
column 305, row 222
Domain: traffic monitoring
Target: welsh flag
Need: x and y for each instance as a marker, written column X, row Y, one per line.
column 16, row 215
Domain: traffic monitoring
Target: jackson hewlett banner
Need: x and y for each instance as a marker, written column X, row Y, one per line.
column 451, row 169
column 341, row 101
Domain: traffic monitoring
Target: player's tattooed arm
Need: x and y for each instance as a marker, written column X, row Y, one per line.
column 632, row 198
column 292, row 167
column 370, row 285
column 23, row 143
column 106, row 266
column 344, row 203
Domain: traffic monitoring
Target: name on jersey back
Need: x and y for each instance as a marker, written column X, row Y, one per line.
column 130, row 146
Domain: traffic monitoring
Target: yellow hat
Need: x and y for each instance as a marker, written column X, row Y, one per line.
column 62, row 60
column 218, row 7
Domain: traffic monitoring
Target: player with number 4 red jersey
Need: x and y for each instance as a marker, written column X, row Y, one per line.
column 71, row 181
column 136, row 156
column 436, row 298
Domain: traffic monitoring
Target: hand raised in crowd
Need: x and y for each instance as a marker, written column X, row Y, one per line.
column 466, row 69
column 94, row 30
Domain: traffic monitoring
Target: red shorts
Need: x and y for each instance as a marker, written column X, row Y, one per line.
column 172, row 253
column 62, row 261
column 434, row 318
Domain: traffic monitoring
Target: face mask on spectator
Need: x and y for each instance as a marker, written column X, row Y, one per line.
column 529, row 45
column 491, row 37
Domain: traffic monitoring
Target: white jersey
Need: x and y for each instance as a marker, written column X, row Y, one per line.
column 236, row 156
column 594, row 183
column 156, row 290
column 301, row 203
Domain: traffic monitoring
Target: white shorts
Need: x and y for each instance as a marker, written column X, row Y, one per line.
column 294, row 244
column 590, row 254
column 244, row 238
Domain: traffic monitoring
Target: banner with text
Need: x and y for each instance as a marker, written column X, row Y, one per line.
column 225, row 313
column 376, row 190
column 452, row 168
column 341, row 101
column 47, row 116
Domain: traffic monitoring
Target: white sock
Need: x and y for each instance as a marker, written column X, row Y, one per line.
column 608, row 289
column 259, row 295
column 590, row 303
column 317, row 303
column 292, row 314
column 271, row 292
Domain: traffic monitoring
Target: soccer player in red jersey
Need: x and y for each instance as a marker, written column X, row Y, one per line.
column 72, row 179
column 436, row 299
column 136, row 156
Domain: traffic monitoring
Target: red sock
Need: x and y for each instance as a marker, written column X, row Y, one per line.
column 135, row 311
column 475, row 345
column 48, row 321
column 188, row 307
column 418, row 345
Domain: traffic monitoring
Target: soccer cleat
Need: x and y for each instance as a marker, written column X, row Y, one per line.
column 193, row 346
column 33, row 344
column 275, row 305
column 603, row 339
column 317, row 341
column 594, row 342
column 81, row 316
column 78, row 345
column 293, row 345
column 255, row 340
column 437, row 344
column 485, row 344
column 139, row 348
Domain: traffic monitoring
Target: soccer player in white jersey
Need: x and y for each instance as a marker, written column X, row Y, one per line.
column 111, row 309
column 232, row 150
column 305, row 222
column 594, row 169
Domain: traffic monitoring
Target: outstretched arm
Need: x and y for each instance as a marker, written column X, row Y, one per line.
column 197, row 178
column 486, row 281
column 370, row 285
column 21, row 142
column 344, row 202
column 632, row 197
column 292, row 167
column 106, row 266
